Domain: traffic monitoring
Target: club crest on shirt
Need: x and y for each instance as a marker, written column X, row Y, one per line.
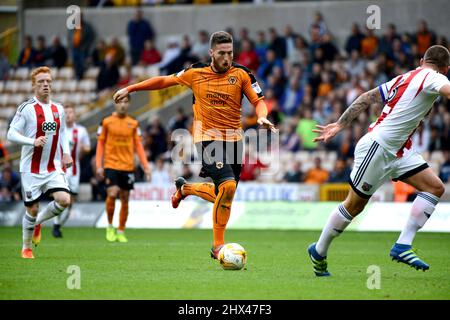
column 28, row 194
column 366, row 186
column 56, row 115
column 219, row 165
column 232, row 80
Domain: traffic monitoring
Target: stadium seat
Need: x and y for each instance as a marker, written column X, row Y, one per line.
column 12, row 86
column 87, row 85
column 66, row 73
column 92, row 73
column 69, row 85
column 138, row 72
column 25, row 86
column 57, row 86
column 21, row 73
column 2, row 85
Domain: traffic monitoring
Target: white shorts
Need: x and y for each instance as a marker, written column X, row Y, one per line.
column 74, row 183
column 374, row 165
column 35, row 185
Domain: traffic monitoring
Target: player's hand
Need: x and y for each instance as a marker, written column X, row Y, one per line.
column 327, row 132
column 40, row 142
column 267, row 124
column 148, row 174
column 122, row 93
column 67, row 161
column 101, row 173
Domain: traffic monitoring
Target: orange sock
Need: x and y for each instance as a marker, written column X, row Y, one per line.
column 110, row 206
column 123, row 215
column 202, row 190
column 222, row 209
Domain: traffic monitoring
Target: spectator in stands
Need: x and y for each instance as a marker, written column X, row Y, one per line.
column 369, row 44
column 305, row 130
column 424, row 38
column 340, row 173
column 108, row 76
column 289, row 140
column 138, row 30
column 149, row 55
column 27, row 54
column 116, row 51
column 403, row 192
column 266, row 68
column 329, row 49
column 81, row 41
column 290, row 36
column 292, row 97
column 294, row 174
column 200, row 49
column 4, row 155
column 98, row 54
column 160, row 175
column 4, row 65
column 172, row 52
column 243, row 36
column 251, row 166
column 58, row 53
column 444, row 172
column 318, row 25
column 9, row 185
column 435, row 141
column 261, row 46
column 316, row 175
column 42, row 52
column 299, row 54
column 179, row 121
column 247, row 56
column 354, row 40
column 158, row 139
column 277, row 44
column 355, row 65
column 387, row 41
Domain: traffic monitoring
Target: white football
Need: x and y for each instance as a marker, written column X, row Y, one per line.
column 232, row 256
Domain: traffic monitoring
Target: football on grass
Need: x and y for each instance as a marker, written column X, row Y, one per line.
column 232, row 256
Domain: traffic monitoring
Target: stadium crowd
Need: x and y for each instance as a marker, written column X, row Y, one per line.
column 307, row 79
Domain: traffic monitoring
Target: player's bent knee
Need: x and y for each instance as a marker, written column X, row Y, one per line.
column 229, row 189
column 438, row 189
column 63, row 201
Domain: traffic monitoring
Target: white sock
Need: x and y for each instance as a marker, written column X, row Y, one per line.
column 51, row 210
column 422, row 208
column 337, row 222
column 62, row 218
column 28, row 223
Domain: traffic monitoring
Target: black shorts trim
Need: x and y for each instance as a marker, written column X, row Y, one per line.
column 361, row 194
column 412, row 172
column 30, row 203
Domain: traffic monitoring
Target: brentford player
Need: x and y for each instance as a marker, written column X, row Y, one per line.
column 385, row 153
column 39, row 126
column 79, row 144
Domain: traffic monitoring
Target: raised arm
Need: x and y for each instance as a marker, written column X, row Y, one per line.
column 362, row 103
column 155, row 83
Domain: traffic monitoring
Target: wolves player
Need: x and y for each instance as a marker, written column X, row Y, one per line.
column 79, row 144
column 39, row 126
column 385, row 153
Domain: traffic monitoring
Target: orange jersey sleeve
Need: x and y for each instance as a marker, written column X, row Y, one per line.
column 140, row 148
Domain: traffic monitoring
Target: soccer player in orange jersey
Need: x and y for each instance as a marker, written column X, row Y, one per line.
column 119, row 138
column 218, row 89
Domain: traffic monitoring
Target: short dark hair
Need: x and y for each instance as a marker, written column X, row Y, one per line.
column 220, row 37
column 437, row 55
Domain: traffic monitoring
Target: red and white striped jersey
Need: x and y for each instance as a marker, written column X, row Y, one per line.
column 34, row 119
column 78, row 137
column 408, row 98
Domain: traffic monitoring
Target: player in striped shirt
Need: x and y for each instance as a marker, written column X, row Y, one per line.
column 385, row 152
column 39, row 126
column 79, row 144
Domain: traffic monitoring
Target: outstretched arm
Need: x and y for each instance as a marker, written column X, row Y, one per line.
column 261, row 112
column 359, row 105
column 154, row 83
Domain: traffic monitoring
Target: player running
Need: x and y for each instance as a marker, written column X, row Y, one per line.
column 119, row 137
column 39, row 126
column 385, row 152
column 79, row 144
column 218, row 89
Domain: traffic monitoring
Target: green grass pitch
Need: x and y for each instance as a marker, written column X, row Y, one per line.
column 175, row 265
